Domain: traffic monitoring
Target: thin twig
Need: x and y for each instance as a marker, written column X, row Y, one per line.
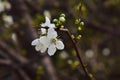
column 22, row 73
column 77, row 52
column 12, row 53
column 5, row 62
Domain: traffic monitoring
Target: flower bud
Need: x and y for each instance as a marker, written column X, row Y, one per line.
column 79, row 28
column 55, row 20
column 73, row 37
column 81, row 23
column 62, row 19
column 79, row 37
column 7, row 5
column 77, row 21
column 70, row 62
column 57, row 25
column 62, row 15
column 76, row 63
column 62, row 26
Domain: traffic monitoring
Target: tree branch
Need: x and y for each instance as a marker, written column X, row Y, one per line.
column 77, row 53
column 101, row 28
column 12, row 53
column 4, row 62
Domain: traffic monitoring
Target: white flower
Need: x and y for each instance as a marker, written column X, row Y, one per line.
column 89, row 53
column 49, row 41
column 54, row 43
column 40, row 44
column 1, row 6
column 46, row 24
column 14, row 37
column 7, row 5
column 8, row 20
column 106, row 51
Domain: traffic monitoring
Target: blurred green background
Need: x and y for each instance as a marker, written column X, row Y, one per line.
column 99, row 45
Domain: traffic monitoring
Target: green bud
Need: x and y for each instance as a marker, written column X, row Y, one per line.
column 62, row 26
column 90, row 75
column 62, row 15
column 62, row 19
column 55, row 20
column 79, row 28
column 57, row 24
column 40, row 70
column 79, row 37
column 73, row 37
column 73, row 53
column 77, row 21
column 70, row 62
column 81, row 23
column 76, row 63
column 24, row 52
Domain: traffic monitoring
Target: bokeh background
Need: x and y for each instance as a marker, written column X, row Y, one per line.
column 99, row 45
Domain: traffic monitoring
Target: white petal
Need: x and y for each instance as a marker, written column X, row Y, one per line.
column 35, row 42
column 43, row 31
column 51, row 50
column 47, row 21
column 7, row 5
column 37, row 47
column 1, row 7
column 51, row 33
column 43, row 24
column 52, row 25
column 59, row 45
column 43, row 49
column 44, row 41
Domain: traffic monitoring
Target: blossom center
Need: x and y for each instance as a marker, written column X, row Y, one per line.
column 53, row 40
column 42, row 45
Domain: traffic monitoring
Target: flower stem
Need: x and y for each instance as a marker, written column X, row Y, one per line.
column 78, row 55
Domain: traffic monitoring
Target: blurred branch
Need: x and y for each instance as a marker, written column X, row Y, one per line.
column 16, row 67
column 90, row 5
column 5, row 62
column 3, row 55
column 97, row 12
column 22, row 74
column 12, row 53
column 33, row 5
column 102, row 28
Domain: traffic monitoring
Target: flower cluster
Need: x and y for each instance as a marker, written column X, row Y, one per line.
column 49, row 41
column 8, row 19
column 4, row 5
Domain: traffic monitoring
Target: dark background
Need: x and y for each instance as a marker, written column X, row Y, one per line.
column 99, row 45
